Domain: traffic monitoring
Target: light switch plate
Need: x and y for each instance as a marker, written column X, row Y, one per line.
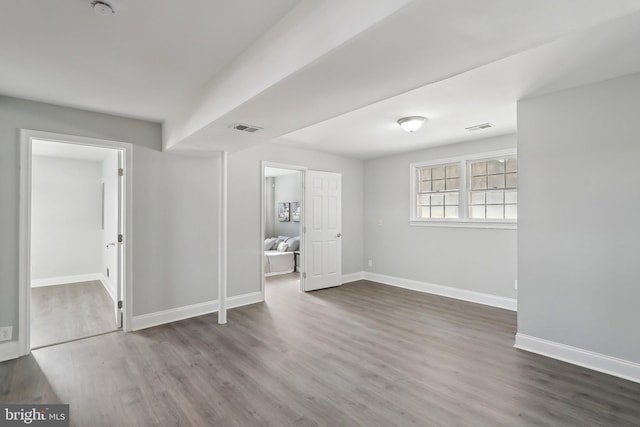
column 6, row 333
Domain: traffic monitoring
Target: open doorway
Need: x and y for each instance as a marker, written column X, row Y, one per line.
column 301, row 228
column 76, row 253
column 282, row 210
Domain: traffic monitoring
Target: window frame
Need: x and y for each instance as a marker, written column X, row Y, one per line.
column 464, row 221
column 444, row 192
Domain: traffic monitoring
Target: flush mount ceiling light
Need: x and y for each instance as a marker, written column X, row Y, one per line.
column 411, row 123
column 102, row 7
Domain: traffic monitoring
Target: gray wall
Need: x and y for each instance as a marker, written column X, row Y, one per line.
column 66, row 203
column 578, row 228
column 481, row 260
column 244, row 274
column 269, row 207
column 174, row 210
column 287, row 190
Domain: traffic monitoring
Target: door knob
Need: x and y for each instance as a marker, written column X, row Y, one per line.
column 111, row 244
column 339, row 235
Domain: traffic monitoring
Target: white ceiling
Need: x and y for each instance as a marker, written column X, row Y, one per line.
column 69, row 151
column 141, row 62
column 332, row 76
column 485, row 94
column 419, row 44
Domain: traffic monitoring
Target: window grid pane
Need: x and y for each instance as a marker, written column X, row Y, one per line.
column 453, row 171
column 495, row 211
column 438, row 191
column 493, row 189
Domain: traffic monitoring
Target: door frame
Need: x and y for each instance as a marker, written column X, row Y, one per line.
column 302, row 170
column 24, row 298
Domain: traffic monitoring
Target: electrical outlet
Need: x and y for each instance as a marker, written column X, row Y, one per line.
column 370, row 263
column 6, row 333
column 515, row 286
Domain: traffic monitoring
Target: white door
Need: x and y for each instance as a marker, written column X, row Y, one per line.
column 323, row 230
column 120, row 242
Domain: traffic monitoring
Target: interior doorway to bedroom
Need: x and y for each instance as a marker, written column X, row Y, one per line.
column 75, row 249
column 282, row 212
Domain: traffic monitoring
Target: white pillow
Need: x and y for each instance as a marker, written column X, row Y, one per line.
column 293, row 244
column 282, row 247
column 268, row 243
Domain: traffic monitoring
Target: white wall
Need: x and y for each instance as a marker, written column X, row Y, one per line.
column 578, row 229
column 480, row 260
column 109, row 261
column 287, row 189
column 175, row 212
column 244, row 209
column 66, row 217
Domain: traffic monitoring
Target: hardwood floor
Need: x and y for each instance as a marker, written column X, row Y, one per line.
column 360, row 354
column 66, row 312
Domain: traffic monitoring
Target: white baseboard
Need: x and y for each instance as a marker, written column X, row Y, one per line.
column 352, row 277
column 180, row 313
column 446, row 291
column 173, row 314
column 245, row 299
column 577, row 356
column 107, row 286
column 9, row 350
column 63, row 280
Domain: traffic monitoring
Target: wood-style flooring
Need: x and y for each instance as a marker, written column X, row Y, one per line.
column 67, row 312
column 362, row 354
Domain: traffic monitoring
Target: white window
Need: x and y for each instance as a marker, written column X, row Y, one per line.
column 493, row 188
column 471, row 191
column 438, row 191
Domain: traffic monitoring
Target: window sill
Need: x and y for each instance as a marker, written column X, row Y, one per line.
column 457, row 223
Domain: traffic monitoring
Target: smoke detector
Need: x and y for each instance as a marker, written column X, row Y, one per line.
column 102, row 7
column 246, row 128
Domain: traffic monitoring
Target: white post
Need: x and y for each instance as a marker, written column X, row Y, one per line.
column 24, row 275
column 222, row 245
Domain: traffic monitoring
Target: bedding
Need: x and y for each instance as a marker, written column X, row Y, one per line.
column 276, row 262
column 268, row 243
column 293, row 244
column 282, row 247
column 278, row 255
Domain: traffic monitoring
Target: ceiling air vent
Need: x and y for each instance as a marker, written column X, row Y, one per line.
column 479, row 127
column 246, row 128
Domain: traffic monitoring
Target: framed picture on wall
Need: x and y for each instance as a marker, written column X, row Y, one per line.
column 295, row 211
column 283, row 212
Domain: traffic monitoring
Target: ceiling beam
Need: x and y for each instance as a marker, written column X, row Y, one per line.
column 310, row 31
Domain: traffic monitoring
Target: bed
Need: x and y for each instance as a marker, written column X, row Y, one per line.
column 276, row 262
column 279, row 255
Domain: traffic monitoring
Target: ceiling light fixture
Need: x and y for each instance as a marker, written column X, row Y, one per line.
column 411, row 123
column 102, row 7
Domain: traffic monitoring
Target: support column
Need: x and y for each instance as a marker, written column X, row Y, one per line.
column 222, row 245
